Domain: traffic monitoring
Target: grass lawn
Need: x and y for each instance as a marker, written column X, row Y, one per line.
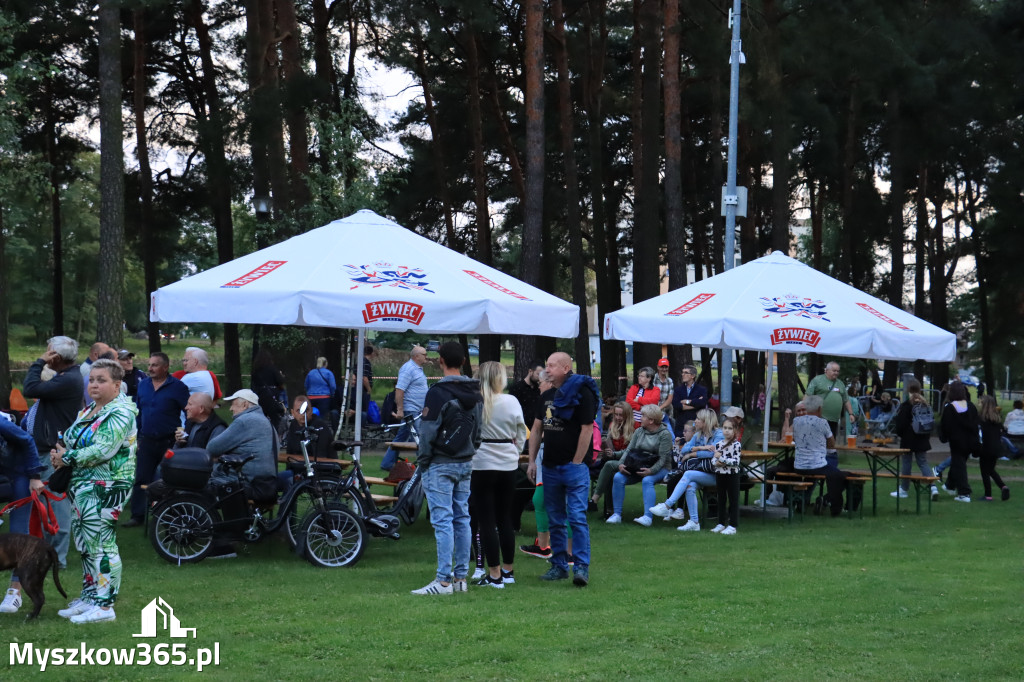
column 903, row 597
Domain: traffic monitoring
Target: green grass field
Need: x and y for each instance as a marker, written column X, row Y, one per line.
column 903, row 597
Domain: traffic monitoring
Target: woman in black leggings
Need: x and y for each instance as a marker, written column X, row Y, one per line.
column 495, row 466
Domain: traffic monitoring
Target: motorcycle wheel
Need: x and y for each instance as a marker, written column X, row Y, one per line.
column 181, row 529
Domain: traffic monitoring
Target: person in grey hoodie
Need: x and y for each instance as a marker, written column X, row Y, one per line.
column 651, row 438
column 447, row 443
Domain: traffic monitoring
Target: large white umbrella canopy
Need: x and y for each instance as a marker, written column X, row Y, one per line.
column 365, row 272
column 777, row 303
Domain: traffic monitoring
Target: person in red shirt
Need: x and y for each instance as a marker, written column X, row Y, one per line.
column 643, row 392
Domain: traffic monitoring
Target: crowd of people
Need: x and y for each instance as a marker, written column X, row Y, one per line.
column 110, row 423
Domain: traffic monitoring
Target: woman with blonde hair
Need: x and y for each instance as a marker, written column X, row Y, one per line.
column 616, row 438
column 495, row 464
column 698, row 471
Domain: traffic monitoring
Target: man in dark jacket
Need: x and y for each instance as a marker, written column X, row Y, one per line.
column 201, row 422
column 449, row 436
column 58, row 401
column 318, row 429
column 689, row 397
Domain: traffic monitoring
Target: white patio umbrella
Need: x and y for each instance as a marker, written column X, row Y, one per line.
column 778, row 304
column 365, row 272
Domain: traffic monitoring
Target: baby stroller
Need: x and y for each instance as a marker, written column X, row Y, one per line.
column 883, row 428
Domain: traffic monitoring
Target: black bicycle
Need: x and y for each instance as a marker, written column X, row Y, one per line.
column 380, row 518
column 196, row 510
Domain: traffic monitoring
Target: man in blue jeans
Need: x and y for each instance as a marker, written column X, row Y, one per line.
column 565, row 421
column 449, row 436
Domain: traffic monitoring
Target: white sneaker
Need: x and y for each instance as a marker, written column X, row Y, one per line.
column 689, row 525
column 678, row 515
column 718, row 529
column 94, row 615
column 435, row 587
column 935, row 493
column 661, row 509
column 11, row 602
column 899, row 493
column 614, row 518
column 729, row 530
column 75, row 607
column 643, row 521
column 459, row 586
column 949, row 491
column 479, row 573
column 962, row 498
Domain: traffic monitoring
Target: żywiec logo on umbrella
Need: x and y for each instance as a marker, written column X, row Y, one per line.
column 392, row 311
column 799, row 307
column 385, row 274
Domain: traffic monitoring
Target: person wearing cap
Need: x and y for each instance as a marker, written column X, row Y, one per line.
column 132, row 375
column 747, row 439
column 161, row 400
column 249, row 434
column 667, row 387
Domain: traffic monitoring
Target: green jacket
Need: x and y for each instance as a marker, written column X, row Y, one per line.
column 102, row 447
column 659, row 441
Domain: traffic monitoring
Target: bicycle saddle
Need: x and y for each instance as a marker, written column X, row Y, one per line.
column 340, row 445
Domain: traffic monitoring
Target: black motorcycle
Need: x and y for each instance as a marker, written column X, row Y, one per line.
column 198, row 507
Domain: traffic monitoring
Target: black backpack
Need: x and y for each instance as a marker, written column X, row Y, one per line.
column 922, row 420
column 387, row 409
column 457, row 428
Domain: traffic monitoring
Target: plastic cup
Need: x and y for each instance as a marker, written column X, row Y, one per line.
column 851, row 441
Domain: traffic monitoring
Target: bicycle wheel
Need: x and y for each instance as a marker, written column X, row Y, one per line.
column 332, row 538
column 181, row 529
column 304, row 504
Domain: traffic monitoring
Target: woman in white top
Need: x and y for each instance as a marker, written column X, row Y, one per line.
column 495, row 466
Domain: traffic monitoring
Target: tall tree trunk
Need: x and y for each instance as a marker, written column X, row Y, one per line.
column 50, row 131
column 674, row 226
column 438, row 149
column 212, row 135
column 609, row 296
column 490, row 344
column 533, row 205
column 572, row 187
column 109, row 306
column 937, row 272
column 980, row 259
column 145, row 172
column 324, row 62
column 780, row 148
column 5, row 338
column 295, row 111
column 849, row 271
column 647, row 213
column 897, row 190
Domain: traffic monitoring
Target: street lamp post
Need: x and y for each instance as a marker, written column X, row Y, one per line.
column 731, row 199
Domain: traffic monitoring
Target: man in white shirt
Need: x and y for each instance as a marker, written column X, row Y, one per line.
column 197, row 376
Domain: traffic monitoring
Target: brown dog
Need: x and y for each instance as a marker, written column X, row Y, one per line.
column 30, row 558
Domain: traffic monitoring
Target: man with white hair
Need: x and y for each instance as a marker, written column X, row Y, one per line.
column 197, row 376
column 57, row 403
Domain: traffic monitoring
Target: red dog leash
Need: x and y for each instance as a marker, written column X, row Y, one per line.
column 43, row 516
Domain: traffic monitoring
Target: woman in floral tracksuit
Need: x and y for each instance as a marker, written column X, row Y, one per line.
column 101, row 448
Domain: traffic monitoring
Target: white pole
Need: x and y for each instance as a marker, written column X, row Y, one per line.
column 768, row 399
column 360, row 344
column 730, row 207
